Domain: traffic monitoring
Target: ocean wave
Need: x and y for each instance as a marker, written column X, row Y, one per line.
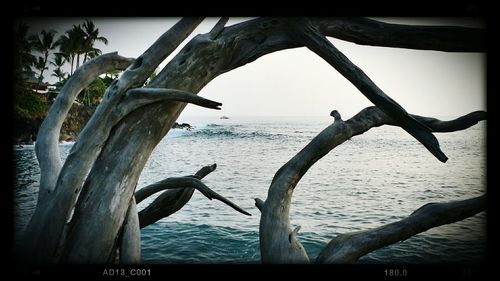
column 228, row 132
column 67, row 143
column 24, row 147
column 32, row 146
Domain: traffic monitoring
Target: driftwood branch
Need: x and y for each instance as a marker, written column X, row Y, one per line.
column 170, row 201
column 218, row 28
column 130, row 249
column 80, row 160
column 276, row 243
column 458, row 124
column 171, row 183
column 47, row 142
column 318, row 43
column 47, row 147
column 112, row 149
column 138, row 97
column 259, row 203
column 201, row 60
column 180, row 190
column 376, row 33
column 203, row 172
column 349, row 247
column 183, row 182
column 167, row 203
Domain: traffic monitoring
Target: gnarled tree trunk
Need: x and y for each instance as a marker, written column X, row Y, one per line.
column 279, row 243
column 95, row 186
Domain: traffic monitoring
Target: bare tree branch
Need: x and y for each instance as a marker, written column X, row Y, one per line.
column 276, row 242
column 458, row 124
column 259, row 203
column 171, row 200
column 130, row 249
column 218, row 28
column 47, row 142
column 203, row 172
column 349, row 247
column 117, row 143
column 83, row 154
column 167, row 203
column 376, row 33
column 318, row 43
column 171, row 183
column 135, row 98
column 183, row 182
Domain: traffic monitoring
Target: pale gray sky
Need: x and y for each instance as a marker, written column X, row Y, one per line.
column 297, row 82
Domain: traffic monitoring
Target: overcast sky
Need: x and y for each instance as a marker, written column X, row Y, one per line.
column 296, row 82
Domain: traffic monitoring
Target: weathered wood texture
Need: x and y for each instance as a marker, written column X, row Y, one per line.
column 47, row 142
column 277, row 240
column 319, row 44
column 365, row 31
column 348, row 248
column 170, row 201
column 130, row 249
column 47, row 243
column 112, row 149
column 47, row 151
column 111, row 202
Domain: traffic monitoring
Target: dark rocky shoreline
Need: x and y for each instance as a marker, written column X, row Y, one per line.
column 77, row 117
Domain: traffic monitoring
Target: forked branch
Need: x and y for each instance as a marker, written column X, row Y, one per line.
column 319, row 44
column 366, row 31
column 112, row 149
column 183, row 182
column 179, row 191
column 47, row 142
column 47, row 233
column 276, row 243
column 135, row 98
column 218, row 28
column 349, row 247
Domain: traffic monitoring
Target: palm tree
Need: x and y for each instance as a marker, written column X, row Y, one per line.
column 71, row 45
column 58, row 62
column 40, row 65
column 91, row 36
column 59, row 74
column 24, row 58
column 43, row 43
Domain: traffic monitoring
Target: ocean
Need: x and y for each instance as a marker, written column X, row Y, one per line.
column 373, row 179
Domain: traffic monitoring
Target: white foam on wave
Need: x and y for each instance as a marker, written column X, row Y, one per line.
column 32, row 146
column 24, row 146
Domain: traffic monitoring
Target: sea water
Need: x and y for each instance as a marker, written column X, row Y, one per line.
column 370, row 180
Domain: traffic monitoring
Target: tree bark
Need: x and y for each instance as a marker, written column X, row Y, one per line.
column 84, row 153
column 365, row 31
column 170, row 201
column 348, row 248
column 111, row 151
column 130, row 249
column 173, row 201
column 277, row 239
column 47, row 149
column 318, row 43
column 46, row 146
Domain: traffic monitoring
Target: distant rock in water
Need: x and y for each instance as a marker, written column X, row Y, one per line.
column 182, row 126
column 224, row 117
